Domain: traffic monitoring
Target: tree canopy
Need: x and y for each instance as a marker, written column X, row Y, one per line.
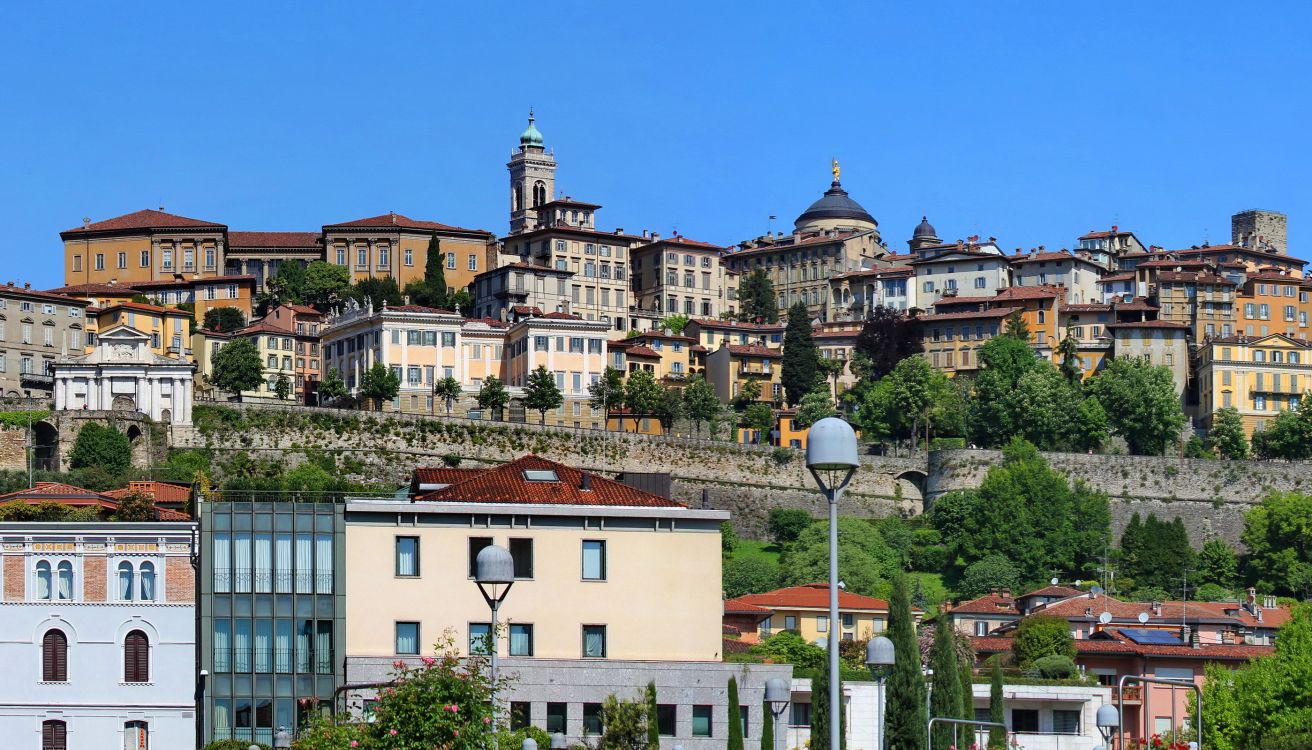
column 226, row 319
column 801, row 360
column 492, row 395
column 380, row 383
column 1141, row 403
column 642, row 395
column 1038, row 636
column 236, row 367
column 1278, row 534
column 757, row 299
column 1154, row 553
column 101, row 446
column 326, row 284
column 864, row 558
column 332, row 387
column 887, row 337
column 541, row 394
column 1227, row 434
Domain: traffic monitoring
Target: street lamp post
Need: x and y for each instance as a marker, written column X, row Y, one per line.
column 492, row 568
column 880, row 655
column 777, row 694
column 1109, row 724
column 831, row 457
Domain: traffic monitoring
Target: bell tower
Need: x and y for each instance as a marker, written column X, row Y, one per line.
column 532, row 179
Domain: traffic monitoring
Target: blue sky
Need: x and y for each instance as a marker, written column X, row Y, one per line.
column 1032, row 122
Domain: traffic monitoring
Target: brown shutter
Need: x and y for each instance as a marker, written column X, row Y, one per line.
column 54, row 657
column 53, row 735
column 136, row 657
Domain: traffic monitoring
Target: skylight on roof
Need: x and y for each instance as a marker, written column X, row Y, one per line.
column 541, row 475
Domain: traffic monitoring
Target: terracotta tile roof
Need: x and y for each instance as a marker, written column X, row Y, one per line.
column 157, row 309
column 1082, row 307
column 1041, row 291
column 663, row 336
column 696, row 348
column 1062, row 591
column 303, row 309
column 185, row 281
column 642, row 351
column 812, row 596
column 508, row 484
column 401, row 222
column 525, row 267
column 147, row 219
column 740, row 607
column 1114, row 277
column 1170, row 612
column 879, row 273
column 160, row 492
column 967, row 315
column 1138, row 303
column 491, row 322
column 1112, row 646
column 1256, row 339
column 735, row 325
column 298, row 240
column 992, row 604
column 1168, row 324
column 681, row 240
column 12, row 288
column 1197, row 277
column 1215, row 249
column 1046, row 256
column 443, row 475
column 78, row 497
column 754, row 350
column 786, row 244
column 835, row 335
column 1274, row 276
column 94, row 290
column 954, row 254
column 562, row 316
column 1172, row 263
column 526, row 310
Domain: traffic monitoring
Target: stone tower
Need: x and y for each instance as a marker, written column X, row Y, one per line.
column 1263, row 231
column 532, row 179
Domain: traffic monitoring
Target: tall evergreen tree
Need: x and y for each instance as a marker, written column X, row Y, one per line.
column 756, row 295
column 801, row 365
column 945, row 695
column 966, row 668
column 887, row 337
column 435, row 272
column 767, row 726
column 1069, row 349
column 905, row 712
column 820, row 712
column 653, row 719
column 997, row 714
column 735, row 717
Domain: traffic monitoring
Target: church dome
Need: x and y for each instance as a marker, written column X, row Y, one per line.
column 531, row 136
column 835, row 210
column 924, row 229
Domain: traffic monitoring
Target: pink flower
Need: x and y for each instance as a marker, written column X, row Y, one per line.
column 429, row 661
column 354, row 743
column 456, row 732
column 392, row 732
column 486, row 720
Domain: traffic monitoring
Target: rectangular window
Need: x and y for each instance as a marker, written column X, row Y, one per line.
column 594, row 560
column 407, row 555
column 701, row 721
column 473, row 262
column 521, row 639
column 521, row 552
column 1065, row 722
column 1024, row 720
column 480, row 638
column 822, row 624
column 790, row 622
column 122, row 260
column 476, row 545
column 519, row 714
column 666, row 716
column 801, row 715
column 594, row 641
column 592, row 718
column 451, row 260
column 557, row 717
column 100, row 261
column 407, row 638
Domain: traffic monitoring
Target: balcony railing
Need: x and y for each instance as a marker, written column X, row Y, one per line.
column 754, row 372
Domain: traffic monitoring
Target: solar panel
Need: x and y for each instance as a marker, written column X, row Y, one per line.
column 1153, row 637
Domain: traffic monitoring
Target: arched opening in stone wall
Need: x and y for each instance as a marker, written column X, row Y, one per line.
column 166, row 416
column 124, row 403
column 912, row 483
column 45, row 447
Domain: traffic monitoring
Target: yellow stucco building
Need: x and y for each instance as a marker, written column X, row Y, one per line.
column 805, row 611
column 1260, row 377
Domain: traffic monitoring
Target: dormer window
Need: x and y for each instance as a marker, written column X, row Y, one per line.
column 541, row 475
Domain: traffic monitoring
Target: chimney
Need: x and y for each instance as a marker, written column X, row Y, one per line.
column 646, row 234
column 619, row 230
column 1157, row 608
column 1088, row 611
column 585, row 482
column 1114, row 228
column 655, row 236
column 993, row 589
column 1006, row 592
column 1185, row 634
column 86, row 221
column 27, row 285
column 1269, row 601
column 1251, row 604
column 1259, row 614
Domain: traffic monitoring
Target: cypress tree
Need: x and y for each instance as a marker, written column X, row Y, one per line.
column 820, row 713
column 653, row 719
column 735, row 717
column 905, row 718
column 767, row 726
column 801, row 360
column 435, row 273
column 945, row 697
column 997, row 736
column 967, row 690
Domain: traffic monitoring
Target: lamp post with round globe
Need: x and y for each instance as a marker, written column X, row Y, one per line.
column 1109, row 724
column 831, row 457
column 880, row 655
column 492, row 568
column 777, row 694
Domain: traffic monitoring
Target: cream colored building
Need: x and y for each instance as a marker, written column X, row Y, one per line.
column 420, row 344
column 123, row 374
column 805, row 611
column 679, row 276
column 571, row 348
column 1259, row 376
column 1078, row 273
column 1161, row 342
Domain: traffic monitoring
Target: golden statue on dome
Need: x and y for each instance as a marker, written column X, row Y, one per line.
column 834, row 168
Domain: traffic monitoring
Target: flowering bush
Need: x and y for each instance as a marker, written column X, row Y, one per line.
column 440, row 702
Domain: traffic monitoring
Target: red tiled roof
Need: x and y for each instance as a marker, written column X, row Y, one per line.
column 185, row 281
column 1256, row 339
column 877, row 272
column 740, row 607
column 401, row 222
column 1170, row 612
column 785, row 244
column 147, row 219
column 988, row 604
column 1046, row 256
column 67, row 494
column 1028, row 292
column 696, row 348
column 1214, row 249
column 1171, row 263
column 1197, row 277
column 1138, row 303
column 299, row 240
column 94, row 289
column 738, row 325
column 1102, row 235
column 525, row 267
column 663, row 336
column 1082, row 307
column 146, row 308
column 681, row 240
column 967, row 315
column 303, row 309
column 12, row 288
column 562, row 316
column 812, row 596
column 1112, row 277
column 754, row 350
column 160, row 492
column 443, row 474
column 526, row 310
column 1111, row 646
column 1062, row 591
column 491, row 322
column 642, row 351
column 507, row 484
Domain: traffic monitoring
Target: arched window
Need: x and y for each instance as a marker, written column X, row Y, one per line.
column 54, row 735
column 148, row 582
column 43, row 589
column 54, row 657
column 519, row 197
column 136, row 657
column 539, row 193
column 125, row 581
column 65, row 590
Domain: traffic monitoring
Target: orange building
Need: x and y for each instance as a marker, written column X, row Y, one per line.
column 167, row 327
column 397, row 246
column 204, row 293
column 142, row 246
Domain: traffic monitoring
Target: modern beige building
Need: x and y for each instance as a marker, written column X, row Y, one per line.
column 1260, row 376
column 36, row 328
column 679, row 276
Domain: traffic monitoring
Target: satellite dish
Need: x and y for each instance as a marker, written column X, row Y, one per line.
column 1105, row 618
column 1143, row 617
column 1053, row 581
column 1095, row 589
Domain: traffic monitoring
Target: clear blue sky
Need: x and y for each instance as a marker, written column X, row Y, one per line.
column 1033, row 122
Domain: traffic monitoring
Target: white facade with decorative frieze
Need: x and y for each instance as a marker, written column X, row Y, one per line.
column 123, row 374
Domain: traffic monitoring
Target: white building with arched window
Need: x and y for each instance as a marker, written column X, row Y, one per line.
column 97, row 631
column 123, row 374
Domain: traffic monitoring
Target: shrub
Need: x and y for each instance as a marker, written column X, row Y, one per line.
column 749, row 575
column 234, row 745
column 100, row 446
column 1053, row 667
column 1038, row 636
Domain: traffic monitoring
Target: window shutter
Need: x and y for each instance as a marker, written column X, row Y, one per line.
column 54, row 657
column 53, row 735
column 136, row 658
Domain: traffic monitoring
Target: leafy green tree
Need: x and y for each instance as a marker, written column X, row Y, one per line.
column 135, row 506
column 447, row 390
column 728, row 538
column 1278, row 535
column 236, row 367
column 756, row 295
column 541, row 394
column 814, row 407
column 623, row 724
column 911, row 392
column 1141, row 402
column 887, row 337
column 1155, row 552
column 101, row 446
column 380, row 383
column 226, row 319
column 905, row 714
column 461, row 300
column 749, row 575
column 1266, row 703
column 332, row 387
column 674, row 323
column 759, row 417
column 831, row 370
column 1016, row 327
column 1289, row 436
column 989, row 572
column 995, row 416
column 642, row 395
column 735, row 721
column 291, row 279
column 820, row 712
column 653, row 719
column 326, row 284
column 1218, row 564
column 997, row 709
column 282, row 387
column 945, row 693
column 492, row 396
column 700, row 402
column 1194, row 447
column 749, row 393
column 1227, row 434
column 379, row 291
column 1038, row 636
column 1211, row 592
column 1069, row 350
column 864, row 558
column 670, row 408
column 800, row 365
column 786, row 524
column 607, row 392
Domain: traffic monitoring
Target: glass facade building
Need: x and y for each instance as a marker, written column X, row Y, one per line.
column 272, row 609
